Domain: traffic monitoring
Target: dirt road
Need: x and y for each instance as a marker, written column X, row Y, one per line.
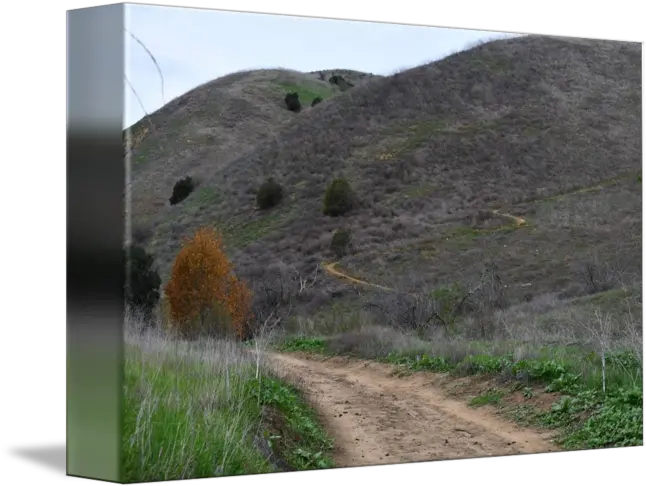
column 377, row 418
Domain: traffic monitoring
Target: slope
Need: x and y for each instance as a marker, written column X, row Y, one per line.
column 426, row 149
column 207, row 127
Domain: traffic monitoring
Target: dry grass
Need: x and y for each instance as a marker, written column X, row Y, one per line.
column 548, row 255
column 547, row 328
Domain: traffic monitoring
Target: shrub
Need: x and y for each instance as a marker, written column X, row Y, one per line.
column 141, row 234
column 340, row 244
column 292, row 102
column 182, row 189
column 204, row 295
column 339, row 198
column 142, row 280
column 341, row 82
column 269, row 194
column 316, row 100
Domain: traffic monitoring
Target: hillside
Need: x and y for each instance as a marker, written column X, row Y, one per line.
column 428, row 151
column 201, row 131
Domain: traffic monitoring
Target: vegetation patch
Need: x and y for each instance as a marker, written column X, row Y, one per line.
column 339, row 198
column 303, row 344
column 208, row 196
column 204, row 413
column 307, row 93
column 239, row 233
column 491, row 397
column 295, row 433
column 269, row 194
column 182, row 189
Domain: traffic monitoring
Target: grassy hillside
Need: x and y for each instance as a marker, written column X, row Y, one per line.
column 506, row 124
column 203, row 130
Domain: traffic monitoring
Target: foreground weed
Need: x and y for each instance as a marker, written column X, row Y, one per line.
column 194, row 415
column 182, row 420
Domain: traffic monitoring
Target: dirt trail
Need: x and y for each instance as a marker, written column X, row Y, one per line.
column 516, row 219
column 377, row 418
column 332, row 270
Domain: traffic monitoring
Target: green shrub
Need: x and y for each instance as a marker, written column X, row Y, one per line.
column 142, row 281
column 182, row 189
column 292, row 102
column 269, row 194
column 341, row 82
column 339, row 198
column 340, row 244
column 316, row 100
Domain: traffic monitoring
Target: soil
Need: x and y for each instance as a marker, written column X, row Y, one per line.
column 378, row 418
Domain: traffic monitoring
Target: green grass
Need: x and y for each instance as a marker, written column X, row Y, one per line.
column 299, row 440
column 586, row 417
column 307, row 93
column 238, row 234
column 491, row 397
column 206, row 195
column 202, row 413
column 303, row 344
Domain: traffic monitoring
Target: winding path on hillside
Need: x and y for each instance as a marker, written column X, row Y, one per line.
column 331, row 269
column 377, row 418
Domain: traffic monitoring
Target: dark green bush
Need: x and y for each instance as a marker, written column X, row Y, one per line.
column 339, row 198
column 316, row 100
column 141, row 234
column 269, row 194
column 341, row 240
column 142, row 280
column 341, row 82
column 182, row 189
column 292, row 102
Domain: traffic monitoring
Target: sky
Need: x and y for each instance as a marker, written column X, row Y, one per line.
column 193, row 46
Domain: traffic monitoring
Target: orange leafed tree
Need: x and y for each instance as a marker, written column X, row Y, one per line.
column 203, row 290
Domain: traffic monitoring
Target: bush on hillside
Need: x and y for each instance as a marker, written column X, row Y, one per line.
column 182, row 189
column 269, row 194
column 341, row 82
column 141, row 234
column 142, row 280
column 340, row 244
column 204, row 295
column 316, row 100
column 339, row 198
column 292, row 102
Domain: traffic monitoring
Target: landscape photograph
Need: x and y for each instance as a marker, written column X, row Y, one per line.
column 356, row 243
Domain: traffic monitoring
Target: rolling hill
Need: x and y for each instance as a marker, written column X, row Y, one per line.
column 203, row 130
column 430, row 152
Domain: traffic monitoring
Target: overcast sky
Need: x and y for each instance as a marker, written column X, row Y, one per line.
column 193, row 46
